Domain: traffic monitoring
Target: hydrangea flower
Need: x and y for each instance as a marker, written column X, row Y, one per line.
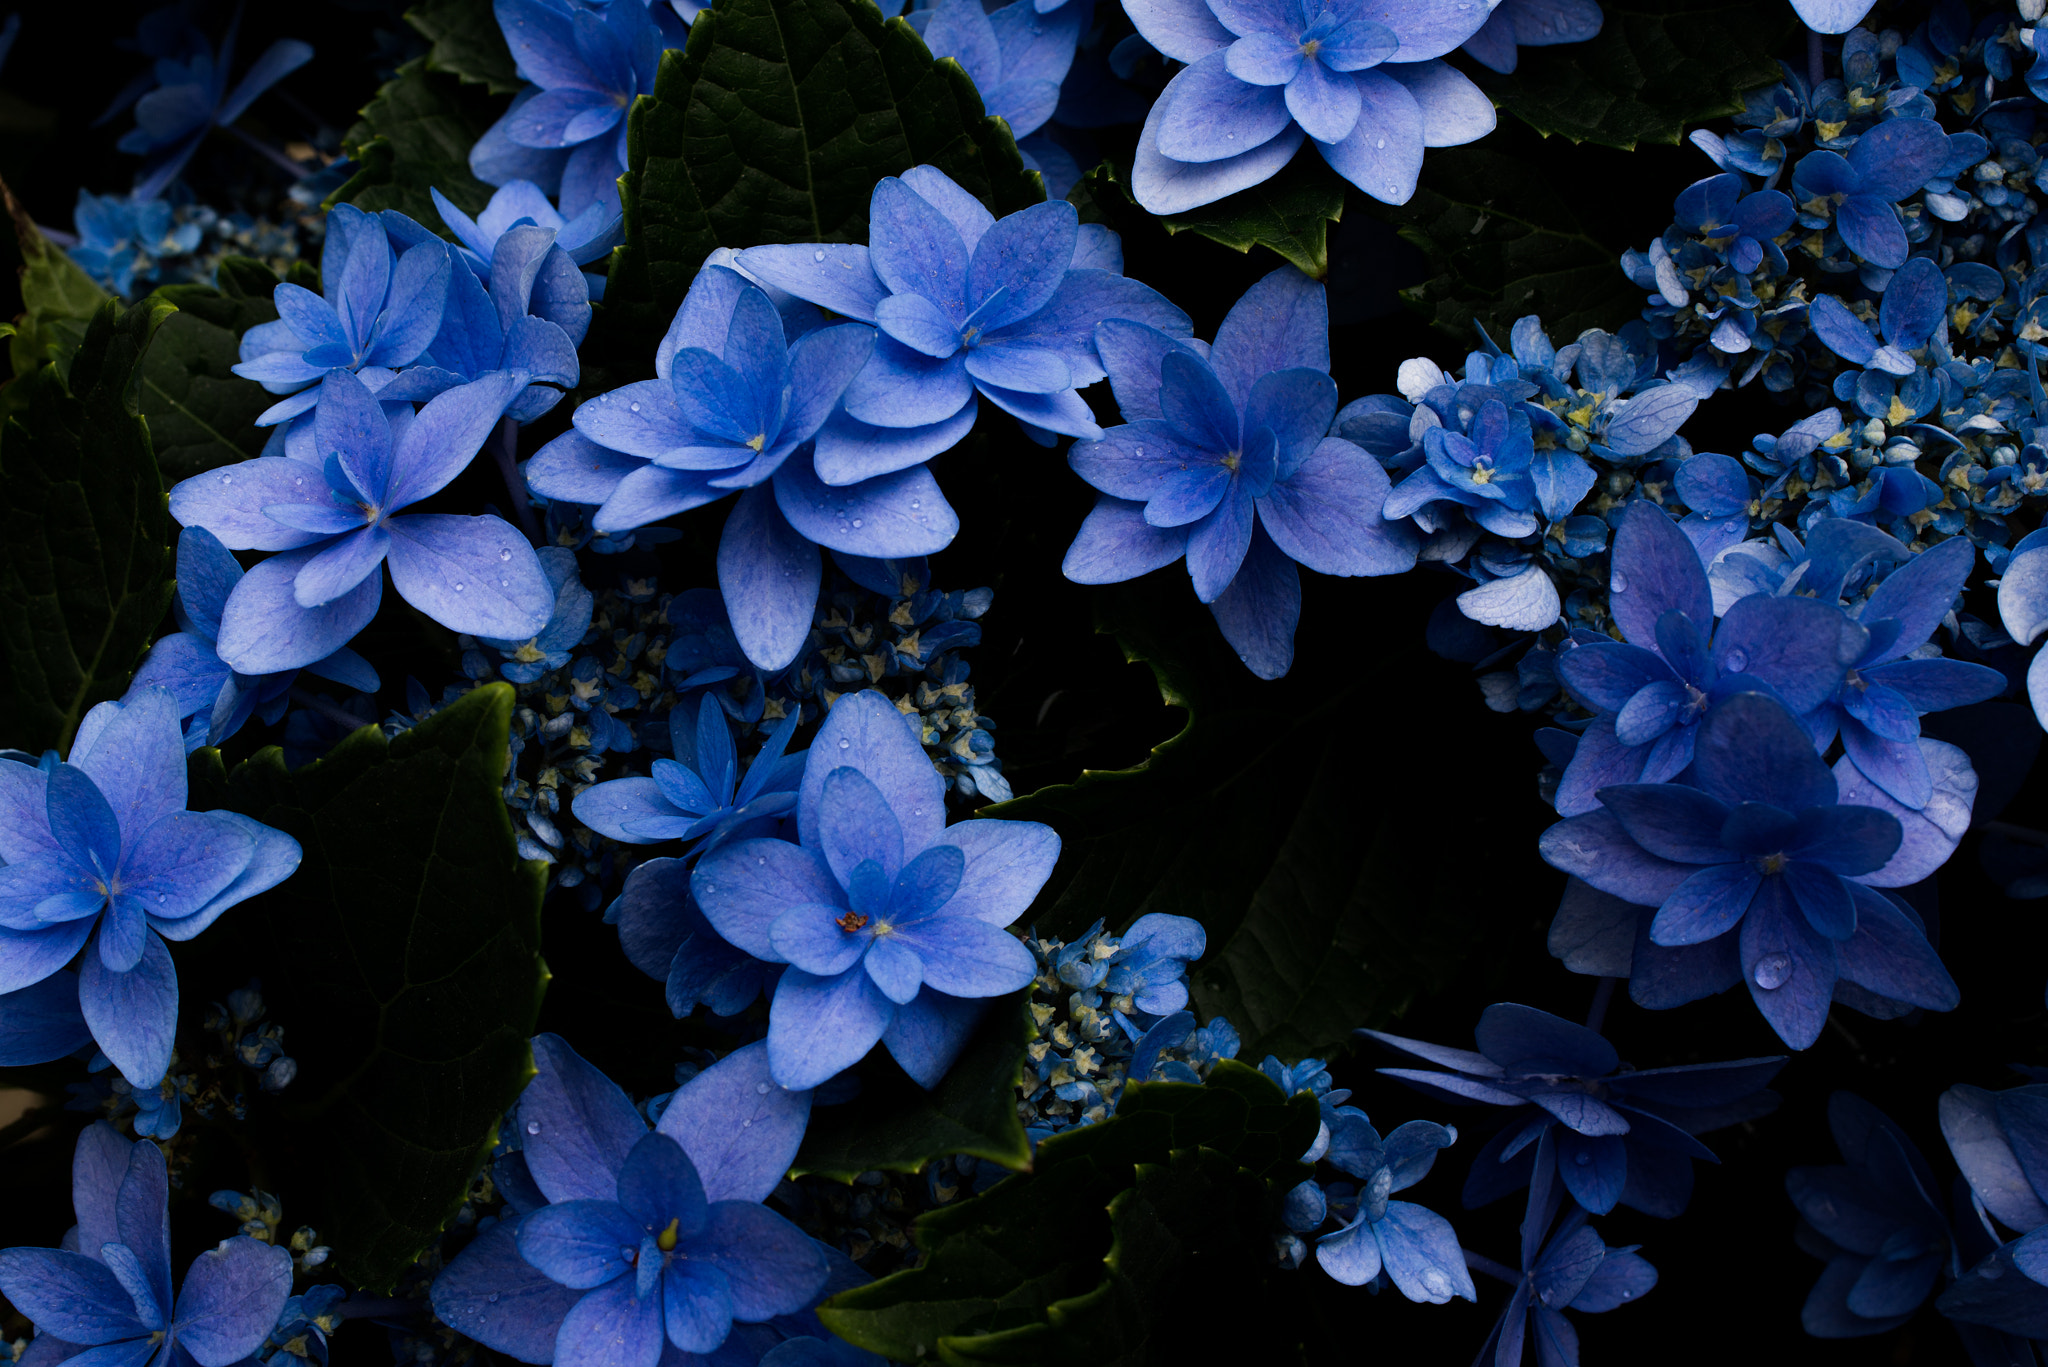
column 699, row 796
column 1858, row 193
column 1413, row 1246
column 735, row 406
column 1876, row 1220
column 191, row 96
column 1571, row 1269
column 1516, row 24
column 1361, row 81
column 891, row 921
column 2023, row 608
column 1223, row 460
column 108, row 1298
column 102, row 856
column 566, row 132
column 335, row 524
column 968, row 305
column 1651, row 690
column 377, row 309
column 120, row 238
column 1774, row 854
column 619, row 1243
column 1017, row 57
column 666, row 936
column 583, row 239
column 215, row 700
column 1832, row 16
column 2000, row 1141
column 1617, row 1135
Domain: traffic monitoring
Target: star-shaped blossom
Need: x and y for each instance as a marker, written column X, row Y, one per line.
column 216, row 700
column 192, row 97
column 1223, row 460
column 1616, row 1135
column 1773, row 849
column 735, row 406
column 566, row 132
column 335, row 523
column 891, row 921
column 1859, row 193
column 1566, row 1265
column 1360, row 80
column 583, row 239
column 1876, row 1220
column 378, row 309
column 619, row 1244
column 969, row 307
column 699, row 796
column 1415, row 1247
column 1651, row 690
column 102, row 856
column 108, row 1295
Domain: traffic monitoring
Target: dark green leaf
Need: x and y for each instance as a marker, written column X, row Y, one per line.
column 1260, row 821
column 897, row 1126
column 1290, row 214
column 773, row 125
column 58, row 298
column 200, row 412
column 85, row 564
column 416, row 136
column 996, row 1261
column 408, row 947
column 1502, row 241
column 467, row 42
column 1652, row 72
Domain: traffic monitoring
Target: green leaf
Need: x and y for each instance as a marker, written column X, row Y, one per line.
column 1502, row 241
column 85, row 565
column 1652, row 72
column 58, row 298
column 415, row 136
column 467, row 42
column 773, row 125
column 1259, row 821
column 897, row 1126
column 200, row 412
column 997, row 1261
column 1290, row 214
column 407, row 947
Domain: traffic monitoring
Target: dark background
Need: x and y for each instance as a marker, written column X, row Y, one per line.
column 1731, row 1281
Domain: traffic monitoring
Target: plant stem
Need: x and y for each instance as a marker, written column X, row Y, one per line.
column 1815, row 71
column 505, row 450
column 1479, row 1262
column 327, row 708
column 275, row 157
column 1596, row 1015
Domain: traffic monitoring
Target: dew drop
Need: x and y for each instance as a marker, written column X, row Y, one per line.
column 504, row 552
column 856, row 522
column 459, row 587
column 1435, row 1282
column 1381, row 143
column 634, row 406
column 1737, row 661
column 1617, row 582
column 299, row 483
column 492, row 1298
column 746, row 1124
column 817, row 256
column 227, row 479
column 761, row 1088
column 1583, row 1159
column 845, row 744
column 917, row 503
column 504, row 583
column 761, row 860
column 1772, row 970
column 533, row 1127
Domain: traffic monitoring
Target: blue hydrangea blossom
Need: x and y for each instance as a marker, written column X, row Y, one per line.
column 2000, row 1141
column 1361, row 81
column 969, row 307
column 334, row 522
column 191, row 97
column 378, row 310
column 1017, row 57
column 103, row 857
column 735, row 406
column 120, row 238
column 1412, row 1246
column 585, row 238
column 891, row 921
column 1615, row 1135
column 215, row 700
column 1223, row 460
column 699, row 796
column 1775, row 855
column 1516, row 24
column 1569, row 1267
column 618, row 1243
column 108, row 1297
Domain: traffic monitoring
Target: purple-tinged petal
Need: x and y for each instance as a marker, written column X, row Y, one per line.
column 230, row 502
column 575, row 1125
column 772, row 1267
column 134, row 754
column 1870, row 228
column 1259, row 608
column 894, row 968
column 899, row 387
column 1163, row 185
column 1671, row 821
column 1931, row 834
column 471, row 574
column 855, row 823
column 1205, row 114
column 1454, row 110
column 964, row 957
column 849, row 450
column 649, row 494
column 741, row 1138
column 1185, row 30
column 887, row 517
column 1421, row 1254
column 1788, row 967
column 1970, row 1124
column 1115, row 543
column 696, row 1305
column 493, row 1295
column 1890, row 956
column 265, row 631
column 1325, row 103
column 68, row 1296
column 580, row 1243
column 1750, row 750
column 769, row 574
column 742, row 888
column 610, row 1327
column 1382, row 153
column 133, row 1015
column 916, row 250
column 832, row 276
column 231, row 1299
column 1706, row 906
column 1798, row 646
column 1595, row 848
column 819, row 1027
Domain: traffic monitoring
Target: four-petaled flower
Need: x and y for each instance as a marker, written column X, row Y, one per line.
column 699, row 796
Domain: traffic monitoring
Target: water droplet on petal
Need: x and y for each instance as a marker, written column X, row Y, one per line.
column 504, row 552
column 845, row 744
column 533, row 1127
column 1583, row 1158
column 227, row 479
column 1737, row 661
column 504, row 583
column 1381, row 143
column 856, row 522
column 746, row 1124
column 635, row 407
column 1772, row 970
column 1617, row 582
column 761, row 1088
column 459, row 587
column 817, row 256
column 492, row 1298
